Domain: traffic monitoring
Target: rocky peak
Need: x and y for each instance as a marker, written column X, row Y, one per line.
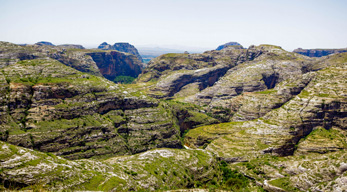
column 105, row 46
column 123, row 47
column 235, row 45
column 127, row 48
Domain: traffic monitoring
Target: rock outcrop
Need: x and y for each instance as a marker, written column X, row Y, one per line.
column 127, row 48
column 318, row 52
column 122, row 47
column 235, row 45
column 105, row 46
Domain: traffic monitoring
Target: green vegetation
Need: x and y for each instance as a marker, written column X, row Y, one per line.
column 124, row 79
column 232, row 179
column 268, row 91
column 283, row 183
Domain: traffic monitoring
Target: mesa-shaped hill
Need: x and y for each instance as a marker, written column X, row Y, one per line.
column 318, row 52
column 122, row 47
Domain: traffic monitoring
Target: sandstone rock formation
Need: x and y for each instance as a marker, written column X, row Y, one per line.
column 114, row 63
column 122, row 47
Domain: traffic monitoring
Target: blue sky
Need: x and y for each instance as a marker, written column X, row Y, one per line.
column 177, row 23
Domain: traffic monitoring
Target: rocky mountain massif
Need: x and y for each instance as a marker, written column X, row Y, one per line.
column 249, row 119
column 318, row 52
column 93, row 61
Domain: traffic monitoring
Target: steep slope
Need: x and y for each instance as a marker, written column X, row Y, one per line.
column 113, row 64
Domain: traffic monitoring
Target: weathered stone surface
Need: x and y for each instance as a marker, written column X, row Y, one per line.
column 23, row 168
column 311, row 172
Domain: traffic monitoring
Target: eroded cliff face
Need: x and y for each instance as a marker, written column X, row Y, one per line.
column 113, row 63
